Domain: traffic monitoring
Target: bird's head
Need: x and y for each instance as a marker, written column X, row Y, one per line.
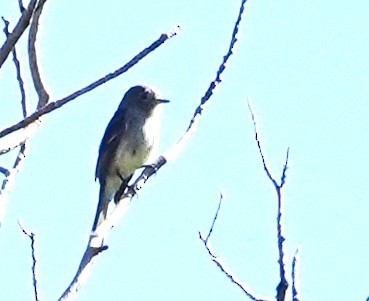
column 143, row 98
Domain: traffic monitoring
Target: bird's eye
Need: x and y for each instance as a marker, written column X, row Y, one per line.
column 145, row 95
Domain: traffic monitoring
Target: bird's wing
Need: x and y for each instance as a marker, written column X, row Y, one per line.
column 110, row 143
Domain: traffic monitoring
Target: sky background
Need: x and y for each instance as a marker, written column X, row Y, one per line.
column 305, row 65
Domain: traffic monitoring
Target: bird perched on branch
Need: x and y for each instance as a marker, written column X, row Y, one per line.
column 128, row 141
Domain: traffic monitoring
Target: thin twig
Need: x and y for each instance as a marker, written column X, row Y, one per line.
column 10, row 177
column 174, row 151
column 284, row 171
column 215, row 218
column 294, row 281
column 31, row 236
column 18, row 70
column 59, row 103
column 4, row 171
column 17, row 32
column 283, row 284
column 220, row 265
column 21, row 7
column 43, row 96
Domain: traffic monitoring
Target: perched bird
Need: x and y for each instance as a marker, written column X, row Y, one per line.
column 128, row 141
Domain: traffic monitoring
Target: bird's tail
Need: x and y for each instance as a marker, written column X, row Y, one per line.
column 105, row 196
column 102, row 208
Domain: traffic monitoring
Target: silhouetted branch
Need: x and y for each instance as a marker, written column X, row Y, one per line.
column 17, row 32
column 174, row 151
column 34, row 278
column 221, row 265
column 82, row 272
column 16, row 139
column 9, row 179
column 294, row 284
column 215, row 219
column 18, row 70
column 21, row 7
column 10, row 174
column 43, row 96
column 283, row 284
column 61, row 102
column 4, row 171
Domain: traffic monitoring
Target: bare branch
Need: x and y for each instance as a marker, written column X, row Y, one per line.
column 59, row 103
column 100, row 234
column 31, row 236
column 283, row 284
column 21, row 7
column 283, row 177
column 214, row 219
column 18, row 70
column 11, row 144
column 17, row 32
column 294, row 285
column 82, row 272
column 221, row 266
column 4, row 171
column 43, row 96
column 9, row 179
column 10, row 175
column 173, row 152
column 17, row 138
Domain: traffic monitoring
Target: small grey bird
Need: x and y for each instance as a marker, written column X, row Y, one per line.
column 128, row 141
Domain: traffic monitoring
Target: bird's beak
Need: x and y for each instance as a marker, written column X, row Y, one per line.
column 163, row 100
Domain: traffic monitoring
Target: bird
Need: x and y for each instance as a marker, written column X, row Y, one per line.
column 129, row 139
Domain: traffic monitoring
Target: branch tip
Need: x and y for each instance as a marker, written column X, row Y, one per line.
column 214, row 219
column 31, row 236
column 51, row 106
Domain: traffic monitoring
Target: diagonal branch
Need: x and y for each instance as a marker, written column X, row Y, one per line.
column 214, row 219
column 18, row 70
column 61, row 102
column 4, row 171
column 31, row 236
column 174, row 151
column 43, row 96
column 221, row 265
column 16, row 139
column 21, row 6
column 283, row 284
column 17, row 32
column 294, row 276
column 10, row 177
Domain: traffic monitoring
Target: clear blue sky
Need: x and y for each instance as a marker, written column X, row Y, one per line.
column 305, row 64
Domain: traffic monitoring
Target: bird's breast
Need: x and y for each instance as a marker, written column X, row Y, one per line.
column 137, row 146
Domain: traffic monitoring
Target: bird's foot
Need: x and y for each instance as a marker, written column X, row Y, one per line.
column 152, row 170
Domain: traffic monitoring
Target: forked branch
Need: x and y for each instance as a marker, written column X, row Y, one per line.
column 283, row 284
